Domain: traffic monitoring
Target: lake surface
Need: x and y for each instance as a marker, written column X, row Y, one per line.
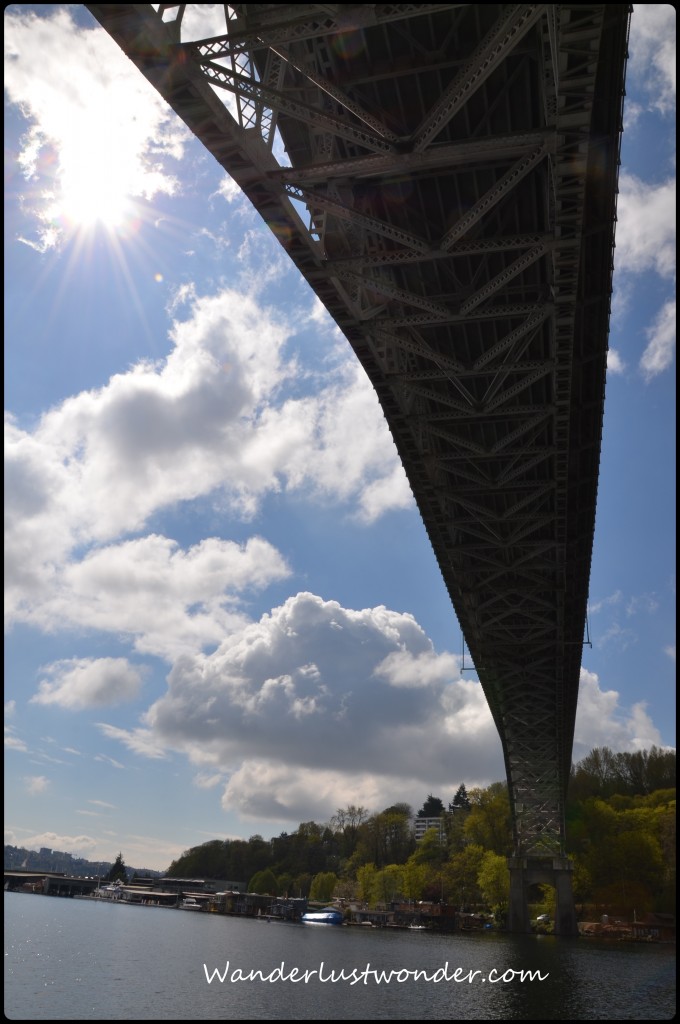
column 74, row 959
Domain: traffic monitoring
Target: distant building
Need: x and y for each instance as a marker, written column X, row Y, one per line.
column 421, row 826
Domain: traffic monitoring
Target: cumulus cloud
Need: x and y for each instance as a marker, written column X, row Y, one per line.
column 316, row 692
column 78, row 683
column 211, row 419
column 652, row 53
column 165, row 599
column 645, row 232
column 317, row 706
column 600, row 721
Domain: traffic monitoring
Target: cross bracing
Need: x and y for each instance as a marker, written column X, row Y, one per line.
column 449, row 191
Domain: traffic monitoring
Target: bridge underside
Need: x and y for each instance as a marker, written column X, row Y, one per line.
column 451, row 199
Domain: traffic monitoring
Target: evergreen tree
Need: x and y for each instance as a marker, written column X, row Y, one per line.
column 461, row 801
column 118, row 870
column 432, row 808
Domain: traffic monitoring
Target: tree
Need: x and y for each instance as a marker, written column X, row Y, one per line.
column 414, row 879
column 461, row 801
column 264, row 882
column 387, row 884
column 323, row 887
column 430, row 850
column 488, row 822
column 118, row 870
column 365, row 877
column 347, row 821
column 462, row 872
column 494, row 882
column 432, row 808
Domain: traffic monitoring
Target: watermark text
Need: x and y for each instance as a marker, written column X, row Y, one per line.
column 368, row 975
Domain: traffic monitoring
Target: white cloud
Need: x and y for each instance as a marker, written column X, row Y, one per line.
column 404, row 669
column 165, row 599
column 317, row 705
column 229, row 189
column 601, row 722
column 642, row 603
column 139, row 741
column 10, row 708
column 277, row 792
column 206, row 780
column 78, row 846
column 78, row 683
column 597, row 606
column 658, row 355
column 323, row 699
column 36, row 784
column 615, row 363
column 645, row 232
column 652, row 53
column 670, row 651
column 12, row 741
column 213, row 418
column 105, row 759
column 108, row 131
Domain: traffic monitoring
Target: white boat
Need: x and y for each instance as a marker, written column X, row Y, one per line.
column 329, row 915
column 189, row 903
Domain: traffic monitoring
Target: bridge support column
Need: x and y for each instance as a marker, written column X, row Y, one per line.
column 555, row 871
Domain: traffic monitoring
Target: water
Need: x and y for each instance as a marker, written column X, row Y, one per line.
column 73, row 959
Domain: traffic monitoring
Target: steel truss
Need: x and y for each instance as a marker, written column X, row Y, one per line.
column 458, row 164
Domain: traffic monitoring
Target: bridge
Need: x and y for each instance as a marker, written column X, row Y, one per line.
column 445, row 176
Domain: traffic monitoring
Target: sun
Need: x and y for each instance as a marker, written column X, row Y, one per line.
column 92, row 196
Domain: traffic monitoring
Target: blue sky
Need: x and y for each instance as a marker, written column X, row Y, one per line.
column 223, row 615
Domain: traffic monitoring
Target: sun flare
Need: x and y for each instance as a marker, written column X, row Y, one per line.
column 92, row 199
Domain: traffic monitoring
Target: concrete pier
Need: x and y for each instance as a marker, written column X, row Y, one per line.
column 555, row 871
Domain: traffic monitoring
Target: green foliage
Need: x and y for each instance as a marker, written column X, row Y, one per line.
column 323, row 886
column 493, row 880
column 462, row 872
column 489, row 822
column 264, row 882
column 415, row 877
column 387, row 885
column 365, row 877
column 429, row 850
column 620, row 834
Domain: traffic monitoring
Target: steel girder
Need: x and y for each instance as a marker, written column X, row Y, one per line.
column 458, row 164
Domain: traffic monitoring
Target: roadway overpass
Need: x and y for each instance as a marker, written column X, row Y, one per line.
column 448, row 188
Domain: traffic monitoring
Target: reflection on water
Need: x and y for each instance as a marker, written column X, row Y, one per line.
column 68, row 959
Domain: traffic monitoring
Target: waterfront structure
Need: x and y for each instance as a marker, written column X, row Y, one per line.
column 449, row 191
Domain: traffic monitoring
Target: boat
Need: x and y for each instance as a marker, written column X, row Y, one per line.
column 190, row 904
column 417, row 928
column 329, row 915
